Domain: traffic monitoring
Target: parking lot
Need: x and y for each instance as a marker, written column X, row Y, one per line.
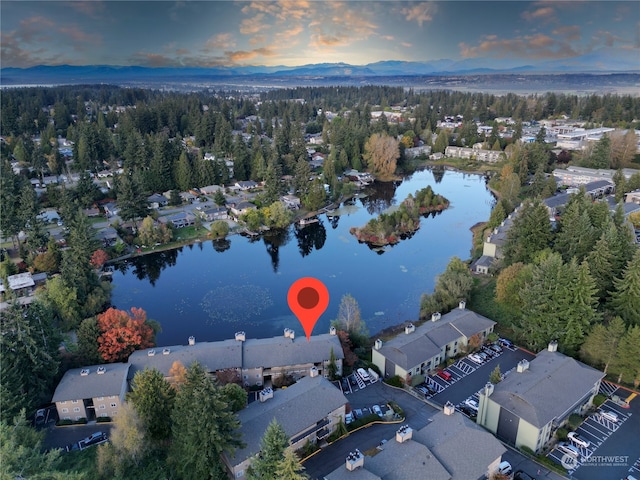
column 613, row 451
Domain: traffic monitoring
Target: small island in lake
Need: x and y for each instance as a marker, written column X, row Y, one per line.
column 390, row 228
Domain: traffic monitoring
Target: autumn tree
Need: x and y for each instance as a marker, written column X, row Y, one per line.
column 496, row 375
column 177, row 374
column 290, row 467
column 99, row 258
column 350, row 358
column 381, row 153
column 510, row 282
column 127, row 438
column 122, row 333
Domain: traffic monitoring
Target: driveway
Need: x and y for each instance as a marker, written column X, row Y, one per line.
column 60, row 437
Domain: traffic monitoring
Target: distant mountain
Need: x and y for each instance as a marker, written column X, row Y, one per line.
column 606, row 60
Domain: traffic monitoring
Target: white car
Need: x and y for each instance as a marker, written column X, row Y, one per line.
column 363, row 374
column 472, row 404
column 578, row 440
column 505, row 468
column 609, row 415
column 475, row 358
column 377, row 410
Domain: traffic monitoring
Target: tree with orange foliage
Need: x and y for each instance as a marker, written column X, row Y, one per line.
column 123, row 333
column 350, row 358
column 177, row 374
column 99, row 258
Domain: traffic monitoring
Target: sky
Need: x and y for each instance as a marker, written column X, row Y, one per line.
column 299, row 32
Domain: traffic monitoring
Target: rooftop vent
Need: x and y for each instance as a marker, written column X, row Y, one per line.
column 84, row 372
column 332, row 331
column 378, row 344
column 355, row 460
column 409, row 328
column 436, row 316
column 523, row 365
column 151, row 352
column 553, row 346
column 101, row 370
column 313, row 372
column 288, row 333
column 449, row 408
column 462, row 305
column 192, row 340
column 488, row 389
column 166, row 351
column 404, row 433
column 266, row 394
column 240, row 336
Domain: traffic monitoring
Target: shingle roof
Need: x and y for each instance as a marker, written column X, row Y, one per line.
column 407, row 351
column 74, row 386
column 548, row 389
column 211, row 355
column 281, row 351
column 401, row 461
column 296, row 408
column 462, row 447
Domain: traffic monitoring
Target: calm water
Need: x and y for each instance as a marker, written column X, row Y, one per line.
column 211, row 290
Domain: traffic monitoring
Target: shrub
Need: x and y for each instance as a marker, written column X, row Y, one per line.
column 103, row 419
column 394, row 381
column 363, row 421
column 574, row 421
column 561, row 433
column 64, row 422
column 527, row 451
column 81, row 421
column 599, row 400
column 396, row 408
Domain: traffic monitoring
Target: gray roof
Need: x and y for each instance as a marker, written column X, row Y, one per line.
column 484, row 261
column 296, row 408
column 461, row 446
column 551, row 387
column 408, row 460
column 211, row 355
column 557, row 200
column 281, row 351
column 341, row 473
column 74, row 386
column 598, row 184
column 407, row 351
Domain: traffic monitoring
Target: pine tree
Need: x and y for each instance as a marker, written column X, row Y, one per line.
column 203, row 427
column 529, row 234
column 600, row 260
column 153, row 398
column 625, row 298
column 272, row 447
column 627, row 360
column 496, row 375
column 601, row 345
column 290, row 467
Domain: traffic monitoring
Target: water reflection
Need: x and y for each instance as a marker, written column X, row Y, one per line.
column 380, row 198
column 310, row 237
column 438, row 173
column 221, row 245
column 150, row 266
column 274, row 239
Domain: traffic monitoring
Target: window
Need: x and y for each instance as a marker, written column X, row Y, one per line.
column 257, row 375
column 245, row 377
column 240, row 474
column 67, row 418
column 65, row 410
column 102, row 407
column 76, row 409
column 114, row 413
column 114, row 405
column 100, row 398
column 455, row 343
column 75, row 401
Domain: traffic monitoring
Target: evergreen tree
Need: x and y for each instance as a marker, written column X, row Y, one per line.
column 442, row 142
column 153, row 398
column 625, row 298
column 273, row 185
column 88, row 333
column 600, row 265
column 272, row 447
column 182, row 174
column 601, row 345
column 627, row 360
column 132, row 198
column 529, row 234
column 576, row 236
column 601, row 154
column 290, row 467
column 203, row 427
column 301, row 178
column 496, row 375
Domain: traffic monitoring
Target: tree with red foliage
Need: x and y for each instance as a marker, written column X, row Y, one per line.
column 350, row 358
column 99, row 258
column 123, row 333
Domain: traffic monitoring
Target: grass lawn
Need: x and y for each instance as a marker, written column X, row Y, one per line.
column 189, row 233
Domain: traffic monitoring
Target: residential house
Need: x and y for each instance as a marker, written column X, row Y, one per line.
column 211, row 189
column 310, row 410
column 49, row 215
column 156, row 200
column 436, row 156
column 188, row 197
column 594, row 189
column 91, row 212
column 91, row 392
column 20, row 284
column 110, row 209
column 420, row 350
column 108, row 236
column 529, row 405
column 479, row 154
column 632, row 197
column 575, row 176
column 238, row 209
column 416, row 151
column 449, row 447
column 317, row 160
column 291, row 201
column 246, row 185
column 180, row 219
column 215, row 213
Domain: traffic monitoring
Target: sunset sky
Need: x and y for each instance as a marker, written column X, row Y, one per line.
column 299, row 32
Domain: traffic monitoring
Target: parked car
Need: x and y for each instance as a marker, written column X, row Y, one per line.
column 467, row 411
column 569, row 450
column 506, row 343
column 348, row 418
column 609, row 415
column 444, row 375
column 471, row 403
column 40, row 417
column 505, row 468
column 363, row 374
column 475, row 358
column 496, row 348
column 377, row 410
column 422, row 390
column 345, row 384
column 578, row 440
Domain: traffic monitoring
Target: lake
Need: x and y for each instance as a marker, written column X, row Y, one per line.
column 215, row 288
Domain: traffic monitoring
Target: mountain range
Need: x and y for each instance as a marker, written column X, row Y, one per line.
column 598, row 62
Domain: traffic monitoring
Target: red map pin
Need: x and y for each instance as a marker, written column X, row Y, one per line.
column 308, row 298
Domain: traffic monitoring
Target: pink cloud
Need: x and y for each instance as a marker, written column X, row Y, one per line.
column 569, row 32
column 539, row 13
column 221, row 41
column 421, row 12
column 251, row 26
column 538, row 46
